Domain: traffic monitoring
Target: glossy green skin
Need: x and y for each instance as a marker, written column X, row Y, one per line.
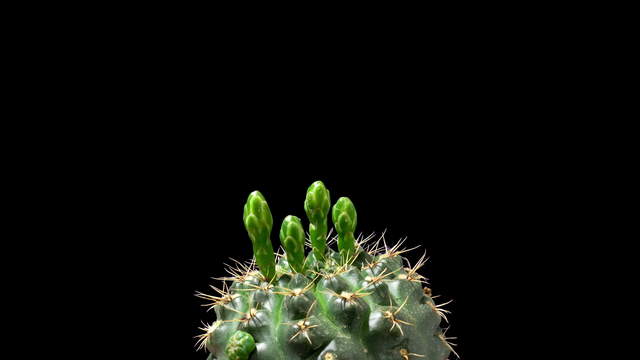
column 356, row 330
column 258, row 222
column 240, row 346
column 292, row 239
column 344, row 219
column 317, row 205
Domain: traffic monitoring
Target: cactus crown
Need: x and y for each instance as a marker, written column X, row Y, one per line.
column 360, row 302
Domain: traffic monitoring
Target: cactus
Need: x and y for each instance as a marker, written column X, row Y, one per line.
column 361, row 302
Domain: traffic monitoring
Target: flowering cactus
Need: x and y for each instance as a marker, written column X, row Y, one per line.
column 363, row 301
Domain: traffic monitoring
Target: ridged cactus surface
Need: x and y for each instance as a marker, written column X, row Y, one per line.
column 361, row 301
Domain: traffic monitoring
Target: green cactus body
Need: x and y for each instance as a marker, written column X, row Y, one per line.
column 369, row 308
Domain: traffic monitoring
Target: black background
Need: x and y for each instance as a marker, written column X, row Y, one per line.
column 140, row 201
column 168, row 220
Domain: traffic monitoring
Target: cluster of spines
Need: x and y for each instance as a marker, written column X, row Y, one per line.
column 372, row 257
